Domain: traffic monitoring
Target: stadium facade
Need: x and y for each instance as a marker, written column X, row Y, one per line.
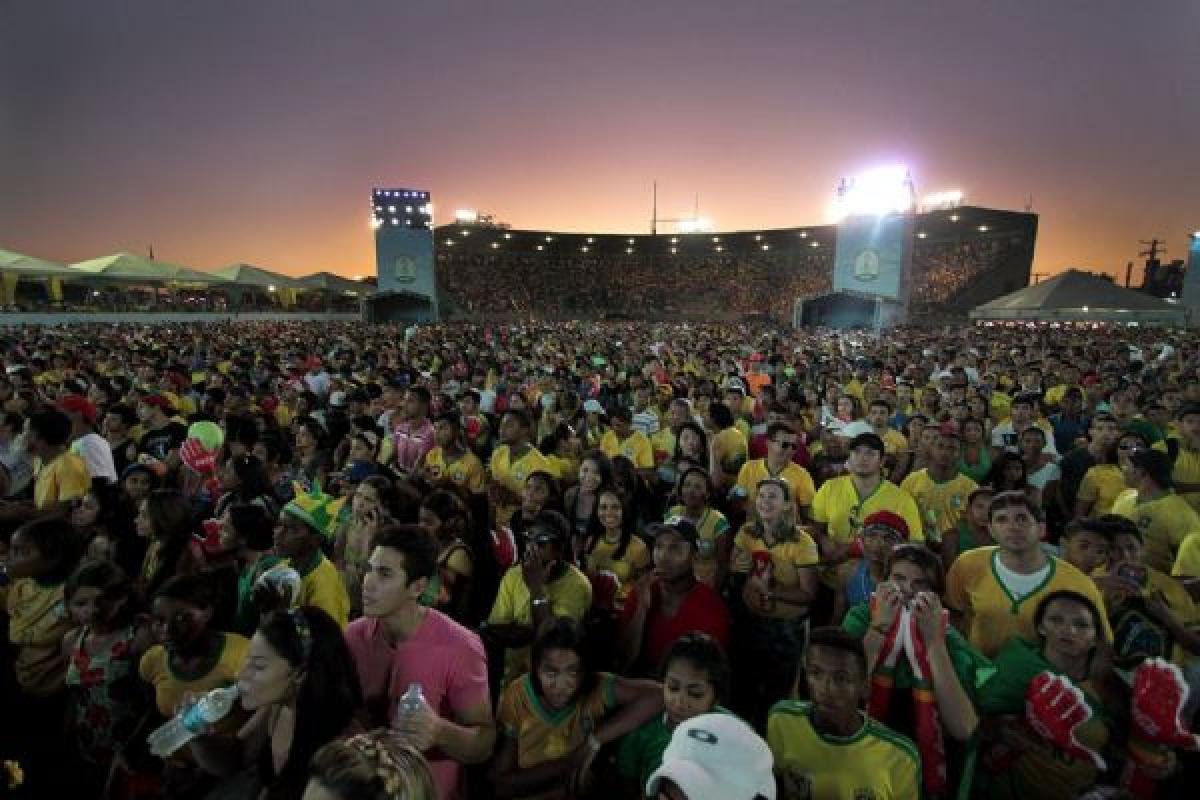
column 961, row 257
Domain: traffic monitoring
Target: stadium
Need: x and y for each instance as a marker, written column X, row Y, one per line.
column 961, row 257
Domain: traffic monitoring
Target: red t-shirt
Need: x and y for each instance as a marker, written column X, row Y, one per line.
column 701, row 610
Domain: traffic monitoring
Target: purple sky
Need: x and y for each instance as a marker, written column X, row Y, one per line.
column 254, row 131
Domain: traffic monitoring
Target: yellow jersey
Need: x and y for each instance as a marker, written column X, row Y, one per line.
column 1187, row 562
column 633, row 562
column 466, row 471
column 1100, row 486
column 322, row 586
column 636, row 447
column 838, row 505
column 731, row 448
column 662, row 442
column 1186, row 469
column 942, row 503
column 711, row 526
column 799, row 482
column 170, row 687
column 570, row 595
column 1164, row 522
column 512, row 474
column 64, row 478
column 542, row 734
column 788, row 558
column 991, row 614
column 875, row 763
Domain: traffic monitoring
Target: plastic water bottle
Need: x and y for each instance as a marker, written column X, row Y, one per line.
column 184, row 727
column 411, row 702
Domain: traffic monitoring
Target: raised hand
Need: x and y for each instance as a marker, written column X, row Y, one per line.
column 1159, row 694
column 1055, row 708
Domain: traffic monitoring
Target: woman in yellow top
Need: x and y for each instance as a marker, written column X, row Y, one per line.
column 774, row 573
column 711, row 563
column 616, row 547
column 191, row 659
column 729, row 448
column 1102, row 483
column 554, row 720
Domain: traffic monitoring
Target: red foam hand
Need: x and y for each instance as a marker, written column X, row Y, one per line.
column 1159, row 694
column 504, row 547
column 1055, row 708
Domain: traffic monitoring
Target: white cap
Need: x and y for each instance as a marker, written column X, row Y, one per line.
column 592, row 406
column 716, row 757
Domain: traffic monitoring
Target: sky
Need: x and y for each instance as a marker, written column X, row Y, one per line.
column 222, row 132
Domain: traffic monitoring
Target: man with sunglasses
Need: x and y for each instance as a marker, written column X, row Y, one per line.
column 781, row 445
column 543, row 586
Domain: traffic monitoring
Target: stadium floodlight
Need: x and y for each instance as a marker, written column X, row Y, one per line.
column 391, row 209
column 376, row 222
column 874, row 193
column 921, row 234
column 695, row 224
column 271, row 288
column 938, row 201
column 508, row 236
column 466, row 215
column 1196, row 234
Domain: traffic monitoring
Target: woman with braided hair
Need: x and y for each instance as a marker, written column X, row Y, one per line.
column 369, row 766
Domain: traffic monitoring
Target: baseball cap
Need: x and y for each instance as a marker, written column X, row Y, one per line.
column 716, row 757
column 870, row 440
column 592, row 406
column 683, row 527
column 77, row 404
column 886, row 519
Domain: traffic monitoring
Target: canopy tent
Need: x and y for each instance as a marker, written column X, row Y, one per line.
column 130, row 268
column 1076, row 296
column 15, row 266
column 329, row 282
column 250, row 275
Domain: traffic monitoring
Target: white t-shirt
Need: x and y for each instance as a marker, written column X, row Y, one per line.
column 1018, row 585
column 1005, row 438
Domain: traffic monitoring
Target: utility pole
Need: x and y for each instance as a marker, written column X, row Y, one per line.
column 654, row 211
column 1154, row 248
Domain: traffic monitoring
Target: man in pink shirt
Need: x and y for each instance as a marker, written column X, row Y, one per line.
column 399, row 643
column 412, row 434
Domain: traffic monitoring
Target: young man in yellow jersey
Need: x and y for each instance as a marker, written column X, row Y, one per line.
column 1164, row 518
column 450, row 462
column 512, row 462
column 828, row 747
column 842, row 503
column 781, row 446
column 1184, row 451
column 940, row 490
column 992, row 592
column 623, row 440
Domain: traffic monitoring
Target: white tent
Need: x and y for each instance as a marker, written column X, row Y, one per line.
column 1076, row 296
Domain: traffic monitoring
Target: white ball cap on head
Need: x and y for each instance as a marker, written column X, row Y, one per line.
column 716, row 757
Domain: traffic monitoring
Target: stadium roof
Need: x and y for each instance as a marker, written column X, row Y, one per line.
column 250, row 275
column 1080, row 297
column 131, row 268
column 335, row 283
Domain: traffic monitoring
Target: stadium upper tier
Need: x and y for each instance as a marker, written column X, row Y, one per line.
column 961, row 257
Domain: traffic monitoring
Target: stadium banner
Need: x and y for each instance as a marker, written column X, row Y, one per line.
column 404, row 260
column 869, row 256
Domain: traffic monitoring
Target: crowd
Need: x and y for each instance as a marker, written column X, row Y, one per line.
column 698, row 561
column 497, row 285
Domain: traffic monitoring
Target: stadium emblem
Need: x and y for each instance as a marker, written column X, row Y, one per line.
column 405, row 269
column 866, row 266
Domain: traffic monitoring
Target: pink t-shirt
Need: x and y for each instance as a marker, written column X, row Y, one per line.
column 444, row 657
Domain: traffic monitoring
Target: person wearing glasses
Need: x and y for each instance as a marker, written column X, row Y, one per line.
column 781, row 446
column 543, row 586
column 1103, row 482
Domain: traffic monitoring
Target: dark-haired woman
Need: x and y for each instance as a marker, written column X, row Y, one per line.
column 616, row 547
column 558, row 716
column 190, row 659
column 1070, row 643
column 166, row 520
column 244, row 480
column 246, row 536
column 301, row 688
column 595, row 473
column 445, row 516
column 715, row 542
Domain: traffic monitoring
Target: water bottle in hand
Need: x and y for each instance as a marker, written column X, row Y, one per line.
column 410, row 703
column 187, row 724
